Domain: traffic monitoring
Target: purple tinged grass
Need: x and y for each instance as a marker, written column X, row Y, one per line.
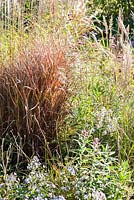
column 33, row 97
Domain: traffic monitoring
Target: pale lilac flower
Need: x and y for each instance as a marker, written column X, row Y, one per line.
column 71, row 170
column 96, row 143
column 38, row 198
column 85, row 133
column 12, row 177
column 58, row 198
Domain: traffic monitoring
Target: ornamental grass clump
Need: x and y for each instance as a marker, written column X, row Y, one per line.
column 33, row 93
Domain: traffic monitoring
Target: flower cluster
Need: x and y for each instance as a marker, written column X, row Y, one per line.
column 34, row 164
column 82, row 177
column 106, row 121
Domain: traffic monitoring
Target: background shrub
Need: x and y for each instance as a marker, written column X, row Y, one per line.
column 112, row 7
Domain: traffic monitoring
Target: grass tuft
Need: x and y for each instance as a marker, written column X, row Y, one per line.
column 33, row 96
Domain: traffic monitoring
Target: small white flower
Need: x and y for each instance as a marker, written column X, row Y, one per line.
column 64, row 188
column 34, row 164
column 38, row 198
column 85, row 196
column 77, row 192
column 98, row 195
column 28, row 180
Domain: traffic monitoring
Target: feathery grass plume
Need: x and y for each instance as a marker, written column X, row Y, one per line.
column 20, row 14
column 106, row 30
column 33, row 96
column 126, row 48
column 110, row 31
column 78, row 25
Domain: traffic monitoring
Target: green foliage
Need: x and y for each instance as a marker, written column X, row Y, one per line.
column 92, row 172
column 111, row 8
column 103, row 104
column 97, row 169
